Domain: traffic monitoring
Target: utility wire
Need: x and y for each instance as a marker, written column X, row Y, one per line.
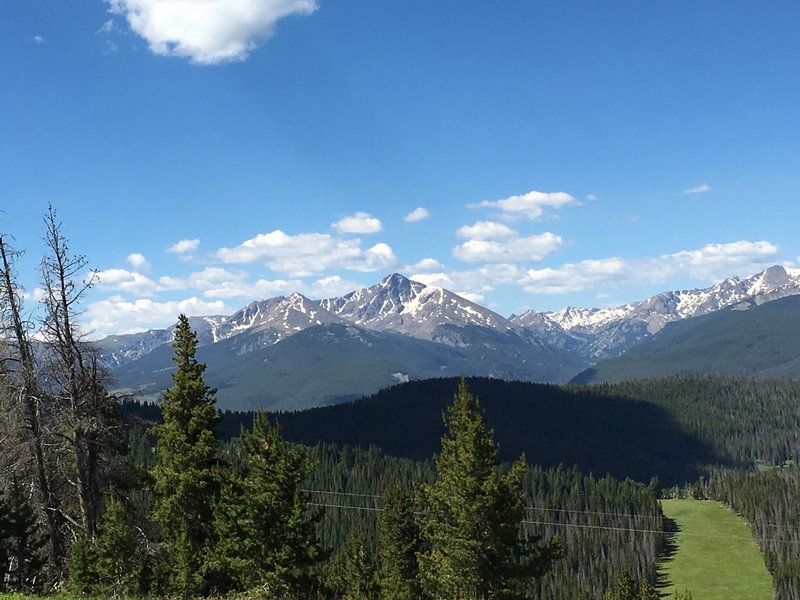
column 577, row 525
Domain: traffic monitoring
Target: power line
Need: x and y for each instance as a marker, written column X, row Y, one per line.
column 577, row 525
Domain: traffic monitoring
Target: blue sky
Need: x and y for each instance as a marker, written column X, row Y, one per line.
column 206, row 153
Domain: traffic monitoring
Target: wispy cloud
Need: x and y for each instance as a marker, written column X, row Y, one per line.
column 39, row 40
column 698, row 189
column 107, row 27
column 531, row 205
column 418, row 214
column 360, row 222
column 207, row 31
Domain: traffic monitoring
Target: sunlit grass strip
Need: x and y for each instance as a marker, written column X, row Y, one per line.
column 716, row 556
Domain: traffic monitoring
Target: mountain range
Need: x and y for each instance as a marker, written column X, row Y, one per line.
column 292, row 352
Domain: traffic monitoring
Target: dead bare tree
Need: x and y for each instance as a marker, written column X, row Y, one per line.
column 24, row 433
column 76, row 376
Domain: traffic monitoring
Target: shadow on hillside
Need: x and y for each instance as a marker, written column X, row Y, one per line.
column 552, row 425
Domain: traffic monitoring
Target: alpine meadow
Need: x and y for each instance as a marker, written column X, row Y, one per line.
column 418, row 300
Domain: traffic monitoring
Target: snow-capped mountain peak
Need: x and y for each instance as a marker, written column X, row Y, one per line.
column 614, row 329
column 402, row 305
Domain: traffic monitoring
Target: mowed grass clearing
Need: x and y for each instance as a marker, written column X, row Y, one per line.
column 716, row 557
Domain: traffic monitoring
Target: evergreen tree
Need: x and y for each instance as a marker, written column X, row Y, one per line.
column 119, row 563
column 266, row 534
column 357, row 578
column 186, row 476
column 24, row 541
column 399, row 543
column 473, row 515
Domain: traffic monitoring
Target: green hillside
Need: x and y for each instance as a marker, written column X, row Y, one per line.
column 757, row 341
column 715, row 555
column 669, row 427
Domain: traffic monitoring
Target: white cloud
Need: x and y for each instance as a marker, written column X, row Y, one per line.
column 115, row 315
column 710, row 263
column 184, row 246
column 698, row 189
column 123, row 280
column 138, row 261
column 39, row 40
column 308, row 253
column 531, row 205
column 486, row 230
column 472, row 285
column 360, row 222
column 418, row 214
column 206, row 31
column 426, row 264
column 591, row 197
column 329, row 287
column 517, row 249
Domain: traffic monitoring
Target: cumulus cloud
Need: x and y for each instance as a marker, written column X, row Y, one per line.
column 130, row 282
column 512, row 250
column 328, row 287
column 308, row 253
column 486, row 230
column 531, row 205
column 709, row 263
column 426, row 264
column 206, row 31
column 138, row 261
column 360, row 222
column 418, row 214
column 116, row 315
column 472, row 284
column 184, row 246
column 698, row 189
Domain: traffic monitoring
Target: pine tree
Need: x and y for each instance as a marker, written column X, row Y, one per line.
column 24, row 541
column 473, row 516
column 119, row 563
column 358, row 576
column 398, row 545
column 186, row 476
column 266, row 534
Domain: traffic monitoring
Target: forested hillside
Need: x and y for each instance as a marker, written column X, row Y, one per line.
column 747, row 339
column 674, row 427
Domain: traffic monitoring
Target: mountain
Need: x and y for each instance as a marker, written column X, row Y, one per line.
column 599, row 333
column 332, row 363
column 460, row 337
column 291, row 352
column 758, row 340
column 405, row 306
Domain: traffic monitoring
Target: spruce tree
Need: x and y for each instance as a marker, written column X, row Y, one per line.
column 119, row 562
column 398, row 545
column 266, row 534
column 472, row 516
column 24, row 541
column 186, row 476
column 358, row 576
